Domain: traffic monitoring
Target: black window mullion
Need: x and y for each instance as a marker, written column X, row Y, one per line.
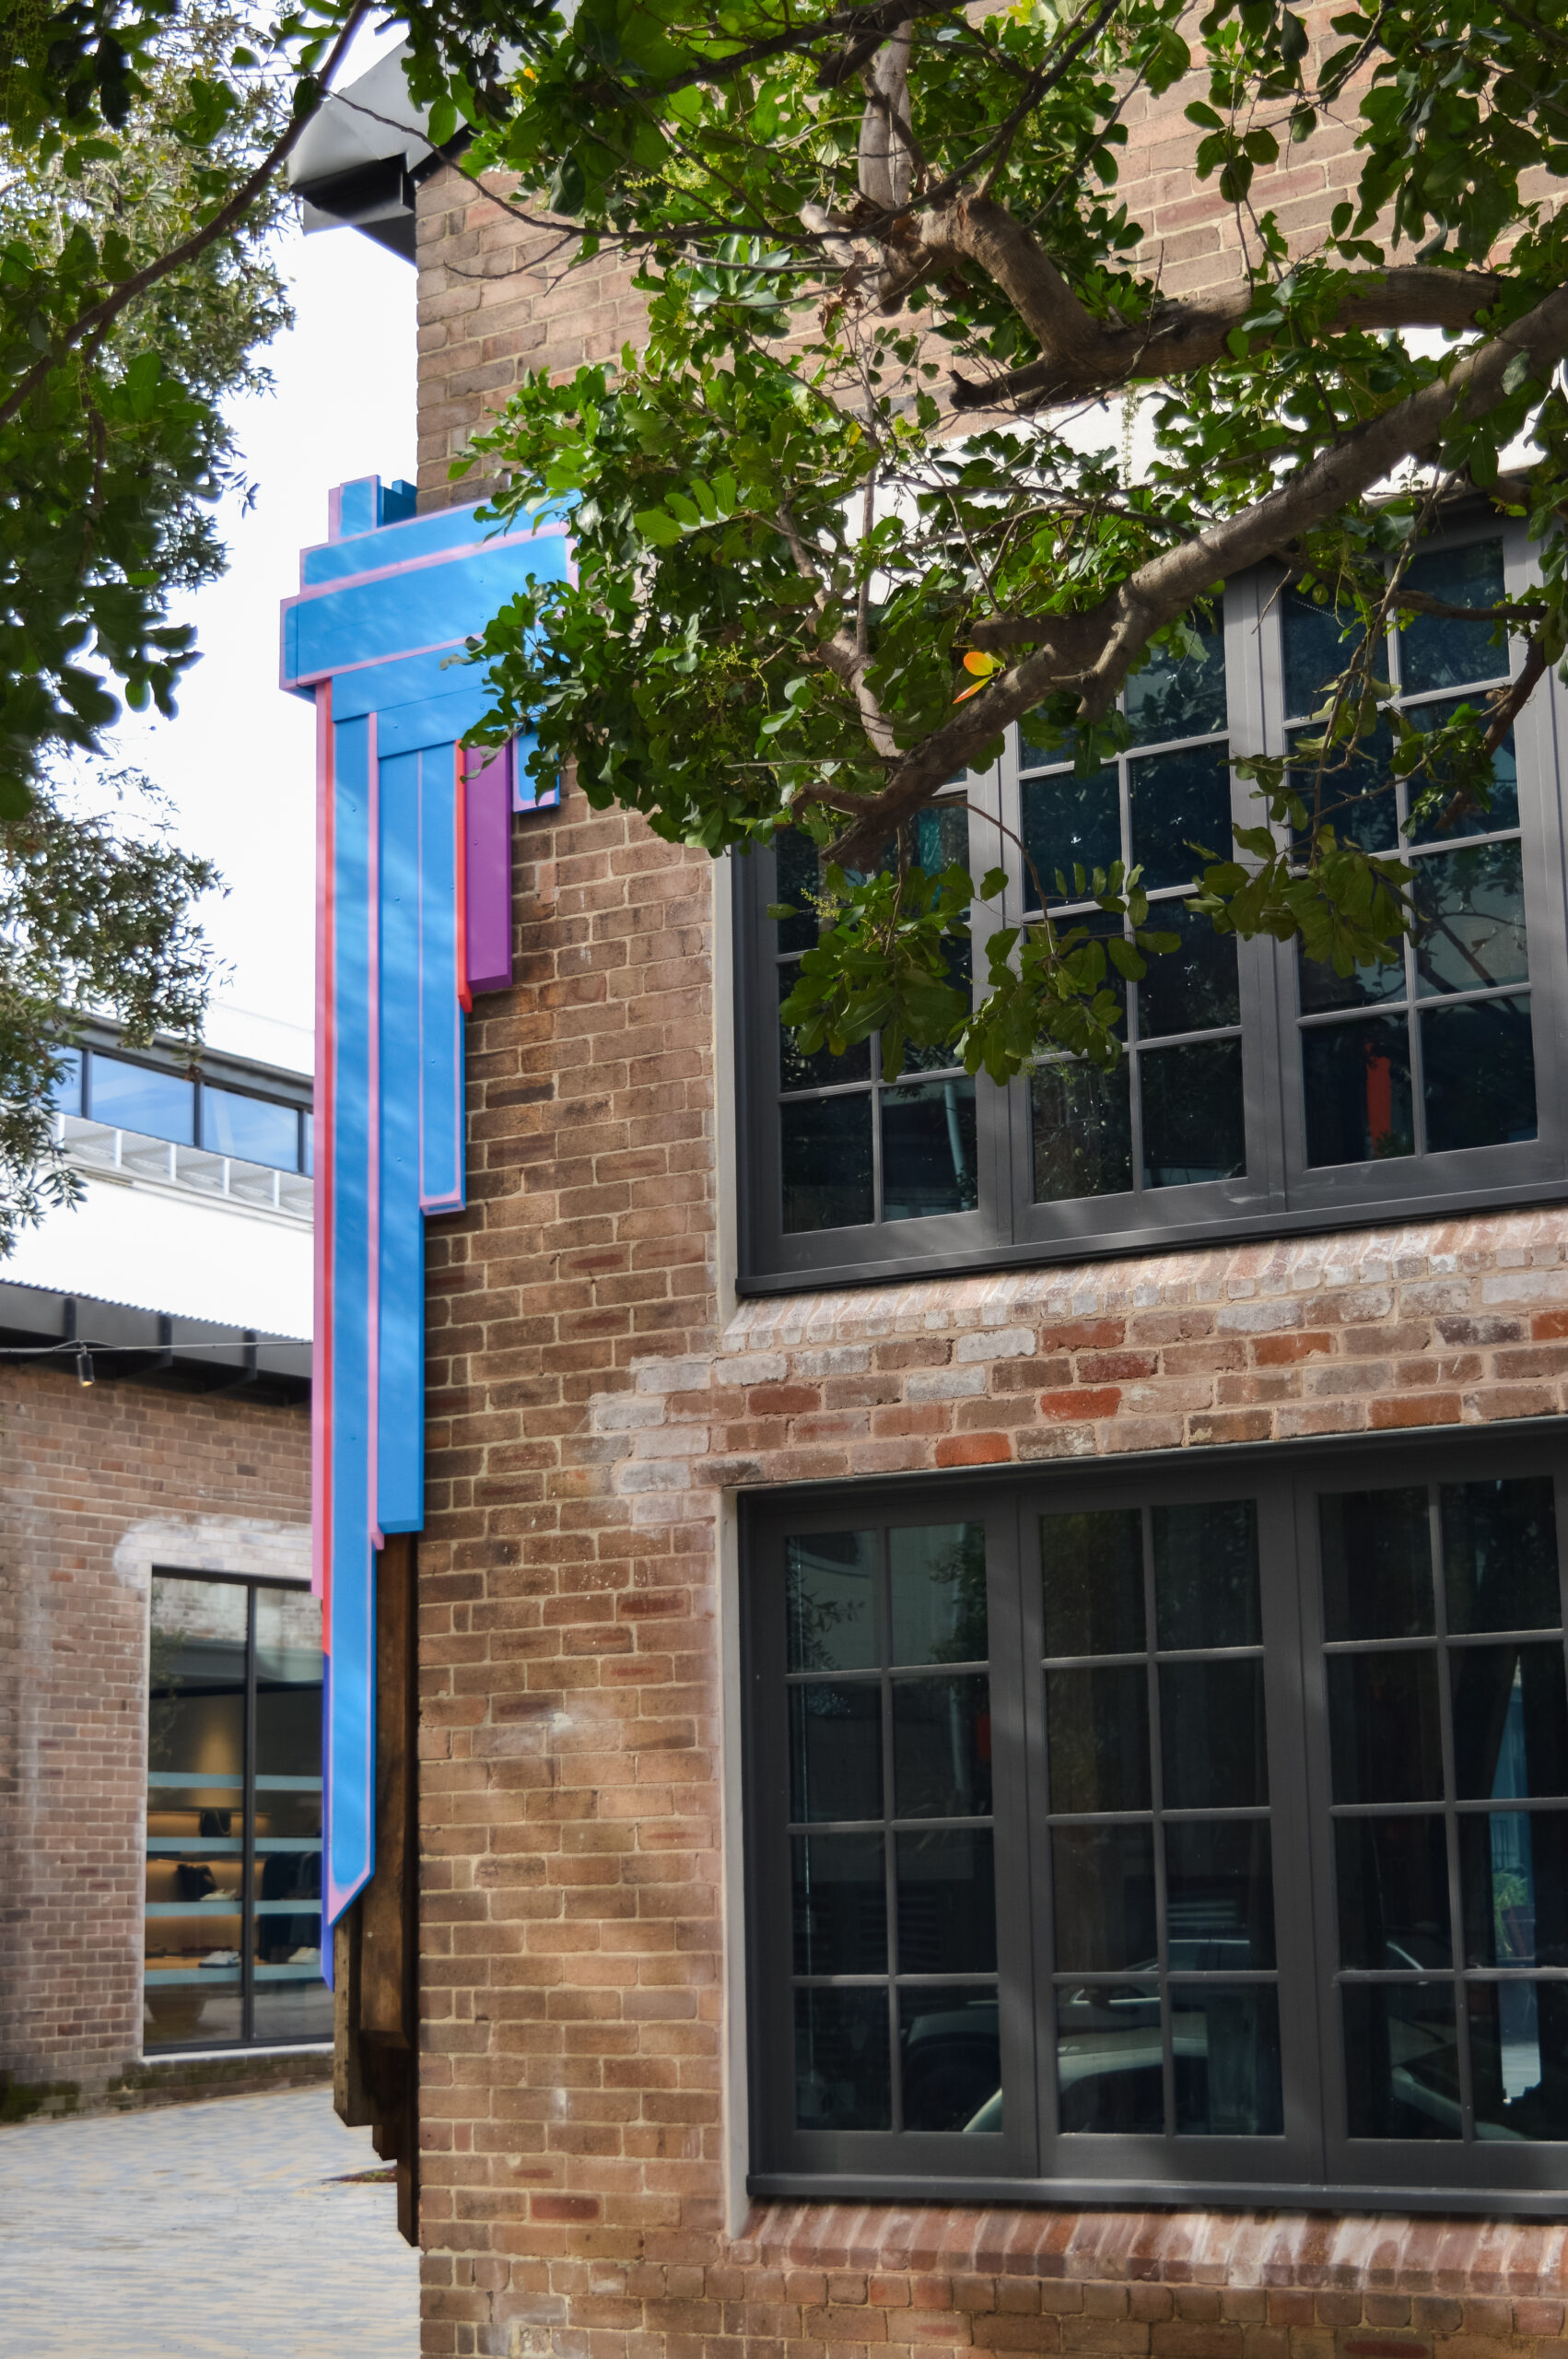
column 248, row 1824
column 889, row 1795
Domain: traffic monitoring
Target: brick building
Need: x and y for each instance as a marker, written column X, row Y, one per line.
column 154, row 1500
column 1182, row 1972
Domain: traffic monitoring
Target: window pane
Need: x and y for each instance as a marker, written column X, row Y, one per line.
column 1514, row 1873
column 1519, row 2058
column 1193, row 1113
column 938, row 1587
column 836, row 1751
column 1438, row 652
column 1218, row 1895
column 1350, row 787
column 292, row 2001
column 939, row 837
column 1206, row 1575
column 1109, row 2074
column 1500, row 1556
column 1510, row 1721
column 195, row 1811
column 1092, row 1570
column 1382, row 1727
column 1471, row 915
column 1193, row 988
column 797, row 876
column 840, row 1896
column 1357, row 1080
column 843, row 2079
column 257, row 1129
column 946, row 1903
column 66, row 1095
column 825, row 1071
column 825, row 1146
column 1376, row 1563
column 1181, row 809
column 1081, row 1131
column 1097, row 1739
column 1102, row 1885
column 1480, row 1073
column 928, row 1149
column 1180, row 695
column 1393, row 1885
column 941, row 1747
column 1212, row 1739
column 829, row 1586
column 137, row 1097
column 1502, row 807
column 1321, row 642
column 1068, row 822
column 949, row 2059
column 1319, row 988
column 1225, row 2049
column 1401, row 2060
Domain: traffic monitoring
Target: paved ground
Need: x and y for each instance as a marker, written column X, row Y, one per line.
column 207, row 2231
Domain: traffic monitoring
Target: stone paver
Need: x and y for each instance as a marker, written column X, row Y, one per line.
column 209, row 2231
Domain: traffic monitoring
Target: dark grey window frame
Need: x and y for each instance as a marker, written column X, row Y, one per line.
column 1280, row 1194
column 1314, row 2163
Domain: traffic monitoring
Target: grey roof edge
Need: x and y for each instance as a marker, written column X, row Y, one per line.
column 224, row 1065
column 40, row 1325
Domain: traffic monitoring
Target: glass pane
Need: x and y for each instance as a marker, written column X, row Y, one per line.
column 1357, row 1080
column 1510, row 1721
column 1319, row 988
column 1097, row 1738
column 1437, row 651
column 1502, row 807
column 1225, row 2049
column 1376, row 1563
column 1069, row 823
column 1110, row 2077
column 946, row 1903
column 137, row 1097
column 839, row 1895
column 1480, row 1073
column 1471, row 915
column 825, row 1146
column 941, row 1747
column 291, row 1999
column 830, row 1587
column 1401, row 2060
column 825, row 1071
column 1193, row 988
column 1500, row 1556
column 928, row 1149
column 1321, row 642
column 1193, row 1113
column 1092, row 1581
column 938, row 1588
column 1218, row 1895
column 939, row 837
column 797, row 876
column 1519, row 2058
column 1212, row 1739
column 1514, row 1873
column 195, row 1811
column 1350, row 787
column 1181, row 810
column 949, row 2059
column 66, row 1095
column 843, row 2079
column 254, row 1128
column 836, row 1751
column 1103, row 1883
column 1382, row 1727
column 1180, row 695
column 1206, row 1575
column 1393, row 1884
column 1081, row 1128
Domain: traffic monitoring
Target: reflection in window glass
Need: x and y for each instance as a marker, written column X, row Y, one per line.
column 1193, row 1113
column 1401, row 2059
column 928, row 1148
column 830, row 1601
column 937, row 1582
column 827, row 1150
column 1181, row 812
column 1321, row 642
column 1443, row 651
column 1469, row 919
column 1109, row 2059
column 1226, row 2048
column 141, row 1098
column 1478, row 1073
column 256, row 1129
column 843, row 2071
column 1357, row 1083
column 1068, row 822
column 1179, row 695
column 1082, row 1130
column 66, row 1095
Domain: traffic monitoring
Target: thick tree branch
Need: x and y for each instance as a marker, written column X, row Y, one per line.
column 841, row 649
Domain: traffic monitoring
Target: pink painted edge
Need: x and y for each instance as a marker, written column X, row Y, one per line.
column 307, row 590
column 373, row 1137
column 321, row 1281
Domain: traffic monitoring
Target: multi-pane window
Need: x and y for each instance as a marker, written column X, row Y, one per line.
column 1257, row 1091
column 1207, row 1828
column 155, row 1102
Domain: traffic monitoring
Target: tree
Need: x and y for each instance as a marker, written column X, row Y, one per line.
column 835, row 528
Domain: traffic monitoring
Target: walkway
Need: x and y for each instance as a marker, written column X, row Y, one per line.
column 212, row 2231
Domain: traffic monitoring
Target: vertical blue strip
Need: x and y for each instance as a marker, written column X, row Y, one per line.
column 441, row 1157
column 401, row 1352
column 350, row 1731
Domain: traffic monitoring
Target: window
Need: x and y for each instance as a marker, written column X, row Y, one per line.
column 1259, row 1092
column 1202, row 1828
column 234, row 1815
column 151, row 1101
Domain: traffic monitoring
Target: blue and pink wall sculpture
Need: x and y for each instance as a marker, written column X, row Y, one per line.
column 413, row 917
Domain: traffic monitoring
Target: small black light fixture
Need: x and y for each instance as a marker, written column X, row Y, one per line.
column 84, row 1365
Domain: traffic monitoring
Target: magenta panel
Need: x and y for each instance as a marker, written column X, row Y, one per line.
column 487, row 802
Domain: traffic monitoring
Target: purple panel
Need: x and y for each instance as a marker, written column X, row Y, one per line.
column 487, row 843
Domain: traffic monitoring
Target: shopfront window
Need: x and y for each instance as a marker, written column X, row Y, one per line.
column 234, row 1815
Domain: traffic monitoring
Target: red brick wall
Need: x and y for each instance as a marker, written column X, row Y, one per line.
column 98, row 1484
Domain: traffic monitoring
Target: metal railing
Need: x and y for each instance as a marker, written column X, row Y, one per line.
column 99, row 1146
